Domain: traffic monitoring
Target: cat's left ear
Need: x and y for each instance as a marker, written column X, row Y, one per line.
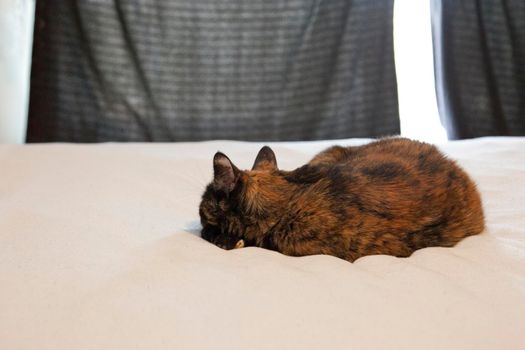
column 225, row 174
column 265, row 160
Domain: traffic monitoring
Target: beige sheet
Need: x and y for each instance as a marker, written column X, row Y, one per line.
column 99, row 249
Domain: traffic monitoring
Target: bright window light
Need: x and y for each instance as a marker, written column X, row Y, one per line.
column 415, row 72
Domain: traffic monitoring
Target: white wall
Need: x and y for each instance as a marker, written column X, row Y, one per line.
column 16, row 39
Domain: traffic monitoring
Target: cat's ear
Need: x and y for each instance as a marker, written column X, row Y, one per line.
column 265, row 160
column 225, row 174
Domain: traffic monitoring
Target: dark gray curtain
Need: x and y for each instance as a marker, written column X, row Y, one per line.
column 479, row 56
column 178, row 70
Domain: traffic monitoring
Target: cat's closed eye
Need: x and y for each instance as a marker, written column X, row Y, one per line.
column 210, row 233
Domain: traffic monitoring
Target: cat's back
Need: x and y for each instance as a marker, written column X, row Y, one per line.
column 404, row 170
column 403, row 189
column 383, row 150
column 392, row 158
column 395, row 149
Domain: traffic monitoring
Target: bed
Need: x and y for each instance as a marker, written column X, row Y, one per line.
column 100, row 249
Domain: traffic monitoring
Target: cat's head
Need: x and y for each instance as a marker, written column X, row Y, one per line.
column 236, row 200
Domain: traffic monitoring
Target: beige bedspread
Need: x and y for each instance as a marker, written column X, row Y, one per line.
column 99, row 249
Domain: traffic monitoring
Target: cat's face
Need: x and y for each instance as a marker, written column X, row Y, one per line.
column 226, row 209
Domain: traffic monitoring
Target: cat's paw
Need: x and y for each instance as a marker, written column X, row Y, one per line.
column 228, row 242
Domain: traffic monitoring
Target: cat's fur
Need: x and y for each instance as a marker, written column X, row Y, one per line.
column 391, row 196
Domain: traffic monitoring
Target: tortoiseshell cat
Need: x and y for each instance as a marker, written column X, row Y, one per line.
column 391, row 196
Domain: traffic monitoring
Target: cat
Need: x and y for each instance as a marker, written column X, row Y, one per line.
column 391, row 196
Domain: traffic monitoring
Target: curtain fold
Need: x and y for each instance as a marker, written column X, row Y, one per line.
column 479, row 61
column 186, row 70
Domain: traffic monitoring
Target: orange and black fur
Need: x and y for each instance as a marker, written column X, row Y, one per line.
column 392, row 196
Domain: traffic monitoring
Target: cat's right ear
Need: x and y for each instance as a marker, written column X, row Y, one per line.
column 265, row 160
column 225, row 174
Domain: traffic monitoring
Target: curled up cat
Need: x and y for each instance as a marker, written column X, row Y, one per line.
column 392, row 196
